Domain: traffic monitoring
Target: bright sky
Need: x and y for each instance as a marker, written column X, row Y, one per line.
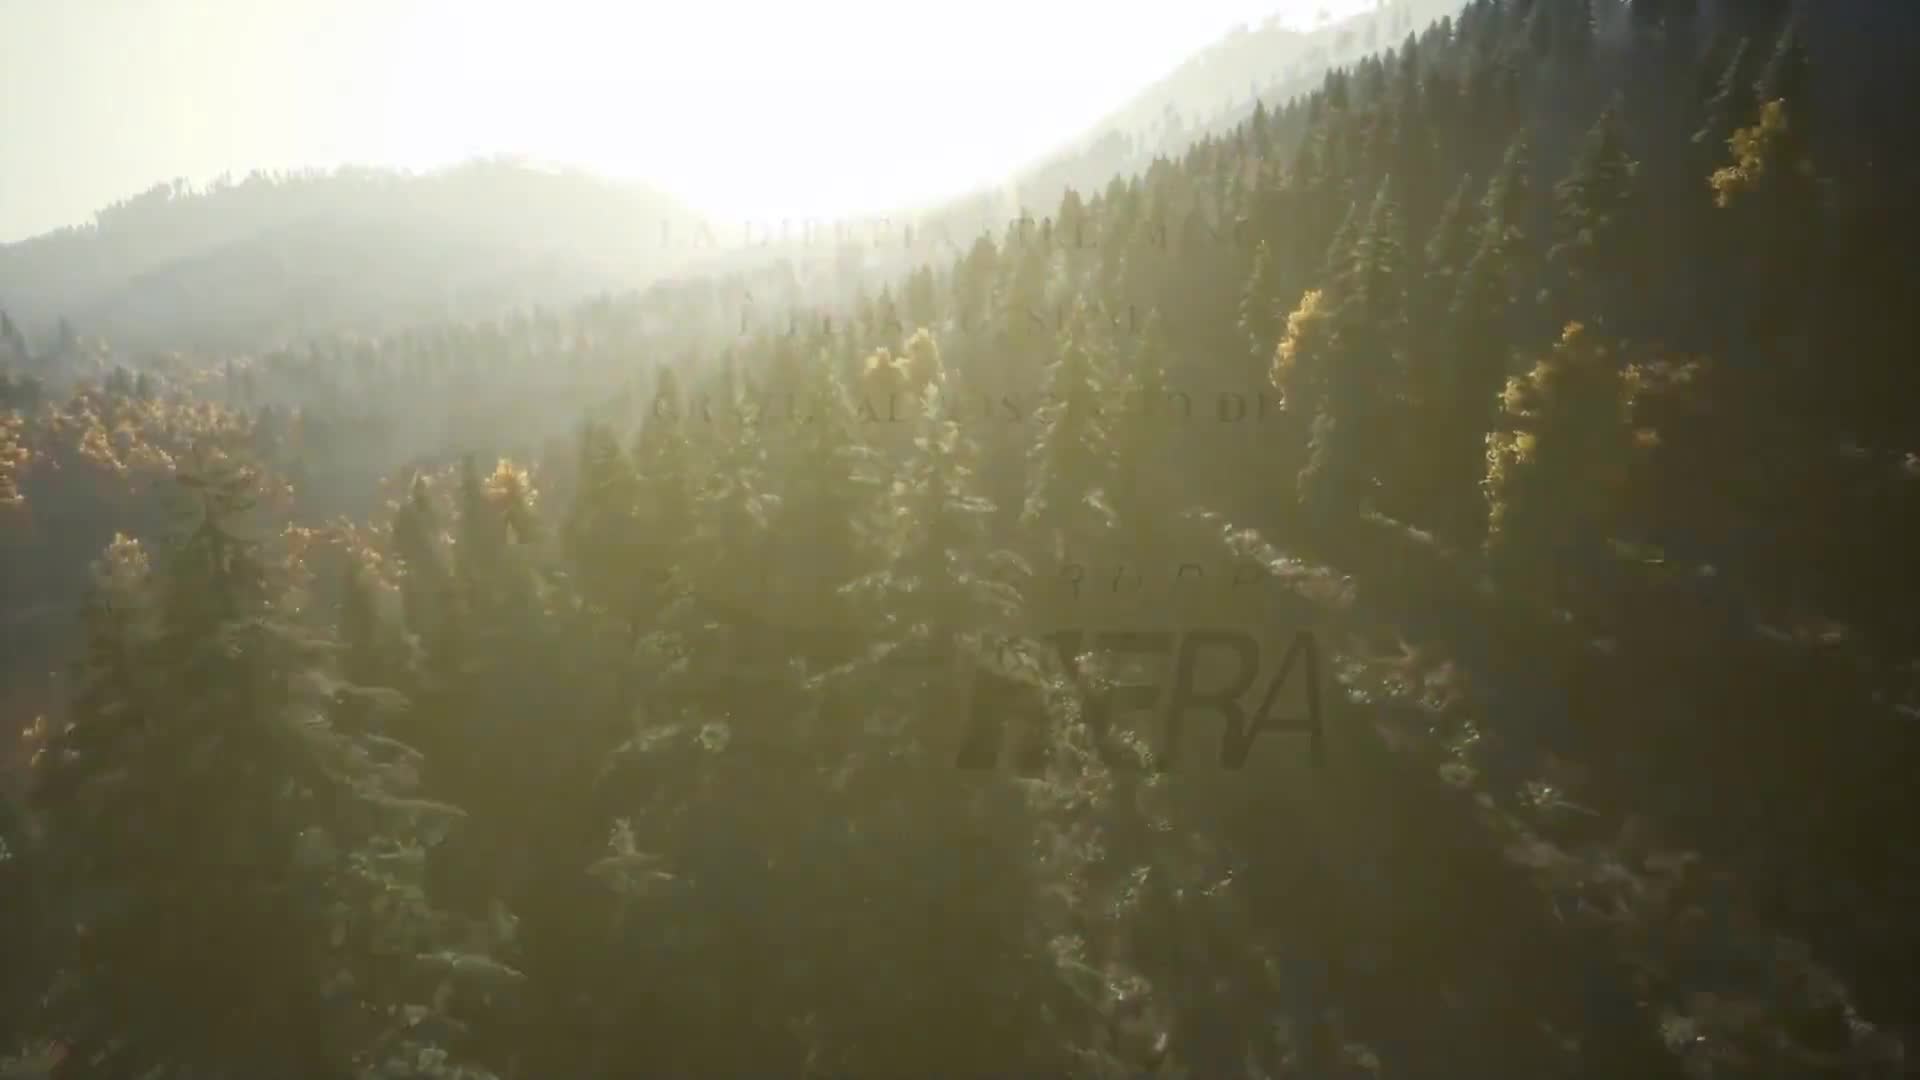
column 746, row 109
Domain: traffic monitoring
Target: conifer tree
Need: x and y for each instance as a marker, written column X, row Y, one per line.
column 973, row 281
column 1476, row 368
column 1024, row 309
column 1377, row 289
column 922, row 298
column 1140, row 435
column 1259, row 303
column 486, row 749
column 1594, row 207
column 664, row 462
column 1368, row 341
column 1337, row 261
column 829, row 482
column 1509, row 197
column 603, row 523
column 429, row 600
column 360, row 627
column 1449, row 249
column 1073, row 235
column 1071, row 470
column 202, row 794
column 718, row 611
column 944, row 589
column 892, row 387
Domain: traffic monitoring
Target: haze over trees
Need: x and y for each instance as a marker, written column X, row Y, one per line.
column 280, row 258
column 579, row 693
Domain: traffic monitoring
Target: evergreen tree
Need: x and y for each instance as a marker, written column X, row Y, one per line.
column 1595, row 220
column 664, row 462
column 1370, row 335
column 603, row 523
column 1141, row 442
column 1069, row 492
column 943, row 586
column 1477, row 366
column 1259, row 303
column 1509, row 197
column 922, row 298
column 360, row 628
column 718, row 611
column 1340, row 346
column 429, row 601
column 1337, row 262
column 1451, row 246
column 829, row 482
column 295, row 859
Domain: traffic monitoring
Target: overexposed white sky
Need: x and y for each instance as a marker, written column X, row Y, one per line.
column 748, row 110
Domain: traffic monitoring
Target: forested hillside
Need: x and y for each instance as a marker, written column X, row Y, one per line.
column 278, row 258
column 1207, row 95
column 587, row 694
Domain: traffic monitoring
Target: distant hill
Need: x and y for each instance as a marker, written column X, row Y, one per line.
column 275, row 258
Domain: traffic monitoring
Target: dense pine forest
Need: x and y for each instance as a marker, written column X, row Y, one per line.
column 585, row 693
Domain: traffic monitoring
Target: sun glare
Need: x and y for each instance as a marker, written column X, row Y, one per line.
column 865, row 107
column 746, row 110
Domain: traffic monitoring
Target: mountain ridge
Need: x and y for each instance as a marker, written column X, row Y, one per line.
column 155, row 270
column 177, row 267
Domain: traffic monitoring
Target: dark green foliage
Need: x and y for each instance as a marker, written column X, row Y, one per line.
column 1509, row 198
column 1149, row 410
column 1260, row 314
column 222, row 858
column 1594, row 221
column 1069, row 495
column 1584, row 448
column 603, row 520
